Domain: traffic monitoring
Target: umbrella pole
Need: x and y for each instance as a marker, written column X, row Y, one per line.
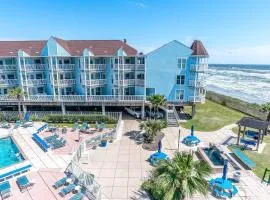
column 179, row 134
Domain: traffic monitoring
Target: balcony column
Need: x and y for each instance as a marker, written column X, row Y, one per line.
column 63, row 108
column 143, row 111
column 24, row 108
column 103, row 109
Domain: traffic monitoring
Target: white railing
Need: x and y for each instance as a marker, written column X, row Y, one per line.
column 8, row 82
column 197, row 99
column 65, row 82
column 34, row 82
column 34, row 67
column 94, row 82
column 199, row 83
column 125, row 82
column 75, row 98
column 175, row 114
column 8, row 67
column 95, row 67
column 64, row 67
column 199, row 67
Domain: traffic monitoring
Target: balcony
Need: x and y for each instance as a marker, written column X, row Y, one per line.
column 95, row 67
column 197, row 99
column 124, row 82
column 64, row 67
column 34, row 67
column 8, row 68
column 198, row 67
column 34, row 82
column 9, row 82
column 94, row 82
column 198, row 83
column 64, row 82
column 75, row 98
column 139, row 82
column 129, row 67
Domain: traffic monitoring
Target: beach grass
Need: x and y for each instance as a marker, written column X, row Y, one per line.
column 70, row 125
column 211, row 116
column 261, row 159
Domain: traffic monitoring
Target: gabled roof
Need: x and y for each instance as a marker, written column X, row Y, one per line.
column 198, row 49
column 11, row 48
column 74, row 47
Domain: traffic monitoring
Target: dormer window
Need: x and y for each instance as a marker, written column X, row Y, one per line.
column 181, row 63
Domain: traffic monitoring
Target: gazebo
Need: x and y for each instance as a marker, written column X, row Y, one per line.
column 255, row 137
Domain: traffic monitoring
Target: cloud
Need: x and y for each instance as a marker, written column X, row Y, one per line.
column 244, row 55
column 140, row 5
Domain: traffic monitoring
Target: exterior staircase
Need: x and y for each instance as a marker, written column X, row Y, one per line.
column 172, row 116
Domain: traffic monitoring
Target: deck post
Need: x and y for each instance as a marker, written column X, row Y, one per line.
column 103, row 109
column 24, row 108
column 193, row 110
column 63, row 107
column 143, row 111
column 238, row 136
column 258, row 141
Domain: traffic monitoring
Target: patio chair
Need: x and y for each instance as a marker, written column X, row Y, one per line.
column 77, row 196
column 51, row 138
column 67, row 189
column 58, row 144
column 5, row 190
column 23, row 182
column 60, row 183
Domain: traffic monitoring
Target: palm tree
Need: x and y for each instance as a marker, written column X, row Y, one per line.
column 178, row 178
column 266, row 108
column 151, row 128
column 18, row 94
column 156, row 101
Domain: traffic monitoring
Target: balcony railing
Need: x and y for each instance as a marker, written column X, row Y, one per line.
column 199, row 83
column 9, row 82
column 33, row 82
column 34, row 67
column 65, row 82
column 75, row 98
column 128, row 67
column 95, row 67
column 94, row 82
column 64, row 67
column 139, row 82
column 197, row 99
column 199, row 67
column 8, row 67
column 125, row 82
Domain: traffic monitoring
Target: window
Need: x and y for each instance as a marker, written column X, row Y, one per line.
column 1, row 62
column 40, row 90
column 66, row 61
column 180, row 79
column 181, row 63
column 5, row 91
column 37, row 61
column 150, row 91
column 179, row 94
column 38, row 76
column 11, row 76
column 140, row 76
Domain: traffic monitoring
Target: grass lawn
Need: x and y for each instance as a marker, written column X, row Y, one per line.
column 262, row 160
column 211, row 116
column 70, row 125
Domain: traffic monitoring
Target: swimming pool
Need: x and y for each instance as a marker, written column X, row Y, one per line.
column 9, row 152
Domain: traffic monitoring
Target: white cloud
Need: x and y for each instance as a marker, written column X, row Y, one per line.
column 243, row 55
column 140, row 5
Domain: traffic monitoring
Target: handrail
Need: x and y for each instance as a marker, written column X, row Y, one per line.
column 175, row 113
column 8, row 67
column 38, row 67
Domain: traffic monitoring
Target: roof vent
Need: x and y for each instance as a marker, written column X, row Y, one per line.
column 125, row 40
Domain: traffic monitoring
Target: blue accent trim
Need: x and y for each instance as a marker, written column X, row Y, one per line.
column 43, row 145
column 16, row 171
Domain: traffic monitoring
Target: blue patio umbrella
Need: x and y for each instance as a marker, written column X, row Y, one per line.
column 192, row 130
column 159, row 146
column 225, row 170
column 26, row 116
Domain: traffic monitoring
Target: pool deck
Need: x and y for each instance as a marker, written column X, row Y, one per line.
column 120, row 167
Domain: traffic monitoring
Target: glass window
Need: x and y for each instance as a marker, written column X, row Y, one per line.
column 38, row 76
column 1, row 62
column 37, row 61
column 179, row 95
column 5, row 91
column 181, row 63
column 66, row 61
column 180, row 79
column 140, row 76
column 40, row 90
column 150, row 91
column 11, row 76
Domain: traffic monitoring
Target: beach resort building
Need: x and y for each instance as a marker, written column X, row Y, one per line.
column 66, row 73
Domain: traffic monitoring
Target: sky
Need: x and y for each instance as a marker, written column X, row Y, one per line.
column 233, row 31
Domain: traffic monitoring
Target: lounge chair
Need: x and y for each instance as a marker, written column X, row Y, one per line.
column 58, row 144
column 23, row 182
column 49, row 139
column 77, row 196
column 5, row 190
column 60, row 183
column 67, row 189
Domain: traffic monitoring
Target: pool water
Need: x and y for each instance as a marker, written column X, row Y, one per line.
column 214, row 156
column 9, row 152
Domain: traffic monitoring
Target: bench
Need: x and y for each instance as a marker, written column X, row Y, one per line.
column 43, row 145
column 14, row 172
column 244, row 159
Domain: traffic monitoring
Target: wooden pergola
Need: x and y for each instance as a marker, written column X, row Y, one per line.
column 248, row 122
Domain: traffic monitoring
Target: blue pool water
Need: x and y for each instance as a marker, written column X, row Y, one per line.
column 214, row 156
column 9, row 152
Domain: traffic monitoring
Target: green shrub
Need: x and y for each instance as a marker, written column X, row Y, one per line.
column 59, row 118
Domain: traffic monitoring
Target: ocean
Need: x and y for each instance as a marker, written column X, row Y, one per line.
column 250, row 83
